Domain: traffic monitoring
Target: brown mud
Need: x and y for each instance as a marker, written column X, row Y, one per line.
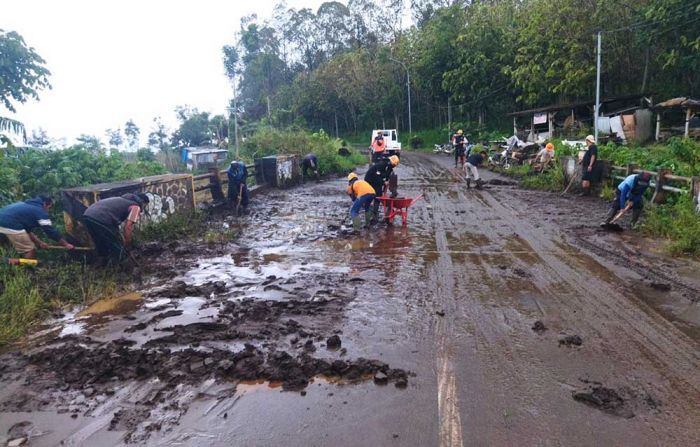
column 496, row 317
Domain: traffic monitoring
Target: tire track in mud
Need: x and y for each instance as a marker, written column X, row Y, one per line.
column 641, row 347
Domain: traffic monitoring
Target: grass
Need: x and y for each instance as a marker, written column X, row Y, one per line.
column 678, row 222
column 176, row 226
column 28, row 295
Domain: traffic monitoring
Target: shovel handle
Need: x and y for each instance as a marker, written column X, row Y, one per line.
column 61, row 247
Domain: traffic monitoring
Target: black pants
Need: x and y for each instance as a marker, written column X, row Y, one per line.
column 233, row 188
column 108, row 241
column 459, row 154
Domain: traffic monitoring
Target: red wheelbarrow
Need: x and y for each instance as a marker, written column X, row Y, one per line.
column 397, row 207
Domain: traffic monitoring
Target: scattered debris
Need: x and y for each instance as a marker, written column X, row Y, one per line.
column 333, row 342
column 539, row 327
column 604, row 399
column 660, row 286
column 571, row 340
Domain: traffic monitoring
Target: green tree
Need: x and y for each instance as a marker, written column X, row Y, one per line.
column 22, row 76
column 132, row 132
column 194, row 127
column 90, row 143
column 114, row 138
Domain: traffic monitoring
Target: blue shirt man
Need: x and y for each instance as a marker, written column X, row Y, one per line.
column 19, row 220
column 237, row 174
column 631, row 190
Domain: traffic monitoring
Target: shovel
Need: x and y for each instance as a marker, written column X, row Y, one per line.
column 19, row 261
column 240, row 198
column 61, row 247
column 612, row 225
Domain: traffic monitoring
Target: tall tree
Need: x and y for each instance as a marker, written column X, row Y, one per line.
column 132, row 132
column 158, row 137
column 114, row 138
column 90, row 143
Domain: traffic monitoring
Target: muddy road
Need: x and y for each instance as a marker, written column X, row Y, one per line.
column 496, row 317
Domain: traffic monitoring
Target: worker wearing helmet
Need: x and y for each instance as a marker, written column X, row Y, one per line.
column 362, row 195
column 378, row 147
column 459, row 142
column 381, row 177
column 543, row 158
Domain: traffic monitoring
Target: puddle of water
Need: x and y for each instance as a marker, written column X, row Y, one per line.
column 157, row 303
column 72, row 328
column 192, row 312
column 113, row 305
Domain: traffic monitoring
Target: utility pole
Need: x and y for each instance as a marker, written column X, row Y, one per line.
column 597, row 89
column 235, row 121
column 408, row 91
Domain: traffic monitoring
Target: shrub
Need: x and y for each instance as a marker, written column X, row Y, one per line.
column 678, row 222
column 416, row 142
column 267, row 141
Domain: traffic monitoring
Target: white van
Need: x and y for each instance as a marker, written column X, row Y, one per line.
column 391, row 139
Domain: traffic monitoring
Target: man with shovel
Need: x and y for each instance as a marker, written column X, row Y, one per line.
column 103, row 218
column 628, row 195
column 18, row 220
column 237, row 188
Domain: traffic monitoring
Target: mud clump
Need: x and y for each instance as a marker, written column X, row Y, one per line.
column 75, row 367
column 333, row 342
column 180, row 289
column 604, row 399
column 571, row 340
column 539, row 328
column 660, row 286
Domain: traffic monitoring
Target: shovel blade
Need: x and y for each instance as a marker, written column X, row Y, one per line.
column 611, row 227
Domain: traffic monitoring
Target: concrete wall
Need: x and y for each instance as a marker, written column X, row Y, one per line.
column 168, row 194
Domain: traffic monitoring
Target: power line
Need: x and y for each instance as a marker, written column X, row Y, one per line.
column 672, row 14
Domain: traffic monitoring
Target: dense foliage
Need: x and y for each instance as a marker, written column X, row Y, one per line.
column 25, row 173
column 339, row 67
column 268, row 141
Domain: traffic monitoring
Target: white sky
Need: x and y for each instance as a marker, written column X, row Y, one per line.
column 112, row 60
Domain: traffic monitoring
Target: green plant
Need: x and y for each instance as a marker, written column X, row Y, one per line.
column 679, row 222
column 176, row 226
column 607, row 193
column 28, row 294
column 416, row 142
column 550, row 180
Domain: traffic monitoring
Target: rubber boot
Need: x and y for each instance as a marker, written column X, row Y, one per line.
column 479, row 183
column 368, row 219
column 375, row 212
column 469, row 183
column 356, row 224
column 636, row 213
column 610, row 215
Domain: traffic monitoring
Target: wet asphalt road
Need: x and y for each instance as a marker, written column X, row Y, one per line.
column 452, row 297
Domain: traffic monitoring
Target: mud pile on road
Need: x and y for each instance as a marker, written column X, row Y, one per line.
column 78, row 367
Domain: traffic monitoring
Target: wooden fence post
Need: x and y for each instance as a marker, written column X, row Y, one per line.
column 695, row 189
column 659, row 193
column 217, row 193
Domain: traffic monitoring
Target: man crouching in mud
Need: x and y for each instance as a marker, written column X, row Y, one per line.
column 630, row 192
column 362, row 195
column 103, row 218
column 471, row 168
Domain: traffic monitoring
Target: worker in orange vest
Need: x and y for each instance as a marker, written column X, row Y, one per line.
column 362, row 195
column 378, row 147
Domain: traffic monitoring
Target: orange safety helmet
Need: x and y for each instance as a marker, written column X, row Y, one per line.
column 549, row 147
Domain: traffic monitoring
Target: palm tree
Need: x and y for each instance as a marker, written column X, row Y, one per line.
column 12, row 126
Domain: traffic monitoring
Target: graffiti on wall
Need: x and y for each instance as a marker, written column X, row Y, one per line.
column 284, row 170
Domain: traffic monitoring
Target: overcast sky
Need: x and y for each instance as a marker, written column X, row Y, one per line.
column 115, row 60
